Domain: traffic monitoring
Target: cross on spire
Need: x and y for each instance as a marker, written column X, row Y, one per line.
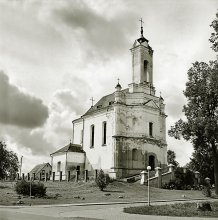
column 141, row 27
column 141, row 21
column 92, row 100
column 118, row 80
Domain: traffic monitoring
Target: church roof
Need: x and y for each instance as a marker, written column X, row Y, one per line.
column 39, row 167
column 104, row 102
column 70, row 148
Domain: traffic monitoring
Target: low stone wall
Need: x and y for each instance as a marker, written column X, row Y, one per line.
column 166, row 177
column 159, row 178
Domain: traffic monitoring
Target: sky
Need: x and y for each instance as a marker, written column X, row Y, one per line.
column 55, row 55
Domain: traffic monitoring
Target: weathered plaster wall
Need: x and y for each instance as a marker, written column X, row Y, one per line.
column 75, row 159
column 132, row 118
column 139, row 54
column 142, row 149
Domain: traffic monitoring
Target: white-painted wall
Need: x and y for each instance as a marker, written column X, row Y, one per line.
column 99, row 156
column 55, row 159
column 77, row 132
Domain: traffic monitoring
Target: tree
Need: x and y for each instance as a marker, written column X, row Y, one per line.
column 102, row 180
column 202, row 161
column 171, row 158
column 8, row 162
column 201, row 111
column 214, row 36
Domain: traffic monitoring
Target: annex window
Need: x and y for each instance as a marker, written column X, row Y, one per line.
column 59, row 166
column 150, row 129
column 92, row 135
column 104, row 133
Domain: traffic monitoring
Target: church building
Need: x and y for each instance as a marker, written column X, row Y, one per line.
column 125, row 131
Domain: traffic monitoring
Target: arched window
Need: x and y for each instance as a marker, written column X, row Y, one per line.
column 59, row 166
column 134, row 154
column 152, row 162
column 104, row 132
column 146, row 70
column 92, row 136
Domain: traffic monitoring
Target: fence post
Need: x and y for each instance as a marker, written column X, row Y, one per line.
column 197, row 177
column 143, row 180
column 86, row 175
column 53, row 176
column 159, row 176
column 171, row 170
column 60, row 177
column 68, row 176
column 77, row 176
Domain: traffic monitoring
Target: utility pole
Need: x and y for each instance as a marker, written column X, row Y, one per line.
column 21, row 161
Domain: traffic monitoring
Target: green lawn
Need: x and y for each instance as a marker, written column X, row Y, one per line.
column 65, row 193
column 183, row 210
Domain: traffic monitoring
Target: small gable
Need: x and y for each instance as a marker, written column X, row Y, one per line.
column 70, row 148
column 151, row 103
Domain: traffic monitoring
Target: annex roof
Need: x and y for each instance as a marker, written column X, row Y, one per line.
column 70, row 148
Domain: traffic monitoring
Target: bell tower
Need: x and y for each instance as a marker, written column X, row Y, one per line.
column 142, row 61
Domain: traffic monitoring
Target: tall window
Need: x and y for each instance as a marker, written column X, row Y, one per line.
column 151, row 129
column 134, row 154
column 104, row 133
column 146, row 70
column 59, row 166
column 92, row 136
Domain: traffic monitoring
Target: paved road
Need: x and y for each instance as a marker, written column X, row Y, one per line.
column 71, row 212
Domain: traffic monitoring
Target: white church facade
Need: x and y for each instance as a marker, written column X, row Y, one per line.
column 125, row 131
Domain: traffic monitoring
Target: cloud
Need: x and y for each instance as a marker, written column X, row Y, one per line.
column 33, row 141
column 74, row 100
column 19, row 108
column 100, row 34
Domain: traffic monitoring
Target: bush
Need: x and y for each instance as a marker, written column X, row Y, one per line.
column 102, row 180
column 182, row 181
column 37, row 189
column 207, row 189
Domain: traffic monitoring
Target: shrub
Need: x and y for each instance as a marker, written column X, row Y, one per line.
column 182, row 181
column 102, row 180
column 37, row 189
column 207, row 190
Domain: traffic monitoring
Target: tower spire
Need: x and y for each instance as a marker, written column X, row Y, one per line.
column 142, row 38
